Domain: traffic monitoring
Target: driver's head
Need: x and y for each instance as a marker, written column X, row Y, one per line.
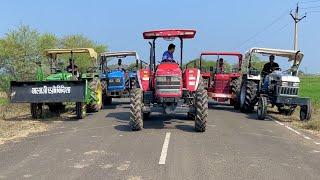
column 171, row 48
column 271, row 58
column 221, row 61
column 119, row 62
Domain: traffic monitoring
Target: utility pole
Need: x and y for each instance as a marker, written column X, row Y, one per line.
column 296, row 19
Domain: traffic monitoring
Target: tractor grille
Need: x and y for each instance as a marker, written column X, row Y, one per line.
column 168, row 84
column 291, row 91
column 115, row 82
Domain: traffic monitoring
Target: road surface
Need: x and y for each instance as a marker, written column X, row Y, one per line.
column 101, row 146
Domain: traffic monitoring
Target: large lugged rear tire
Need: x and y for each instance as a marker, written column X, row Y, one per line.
column 235, row 86
column 136, row 115
column 201, row 106
column 36, row 110
column 248, row 96
column 95, row 86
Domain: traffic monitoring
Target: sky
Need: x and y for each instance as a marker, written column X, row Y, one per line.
column 221, row 25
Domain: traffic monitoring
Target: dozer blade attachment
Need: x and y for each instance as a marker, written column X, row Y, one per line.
column 47, row 91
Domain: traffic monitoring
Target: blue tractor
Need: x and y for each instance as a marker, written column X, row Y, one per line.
column 118, row 79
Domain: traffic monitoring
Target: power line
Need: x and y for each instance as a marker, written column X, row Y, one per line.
column 310, row 7
column 311, row 1
column 263, row 30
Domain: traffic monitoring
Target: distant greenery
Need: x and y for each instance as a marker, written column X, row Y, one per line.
column 3, row 100
column 310, row 87
column 20, row 48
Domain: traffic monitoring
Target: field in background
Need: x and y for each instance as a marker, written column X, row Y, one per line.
column 310, row 87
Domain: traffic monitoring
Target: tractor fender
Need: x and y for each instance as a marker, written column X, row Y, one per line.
column 192, row 78
column 143, row 77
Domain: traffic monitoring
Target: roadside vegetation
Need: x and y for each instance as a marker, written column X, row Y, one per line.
column 20, row 50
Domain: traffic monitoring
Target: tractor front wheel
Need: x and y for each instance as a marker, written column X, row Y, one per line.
column 305, row 112
column 136, row 115
column 262, row 108
column 36, row 110
column 201, row 106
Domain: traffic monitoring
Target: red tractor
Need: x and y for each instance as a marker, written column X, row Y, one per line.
column 168, row 88
column 223, row 86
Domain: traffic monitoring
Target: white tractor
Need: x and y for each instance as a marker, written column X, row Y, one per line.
column 280, row 88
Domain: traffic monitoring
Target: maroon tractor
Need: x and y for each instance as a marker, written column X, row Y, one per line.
column 167, row 87
column 223, row 85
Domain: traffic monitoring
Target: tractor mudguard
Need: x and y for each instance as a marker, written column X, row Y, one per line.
column 47, row 91
column 191, row 79
column 143, row 77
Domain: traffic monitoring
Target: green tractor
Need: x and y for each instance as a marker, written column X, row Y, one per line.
column 61, row 86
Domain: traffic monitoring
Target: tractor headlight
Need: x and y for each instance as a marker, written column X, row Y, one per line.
column 174, row 78
column 284, row 84
column 111, row 80
column 296, row 84
column 117, row 80
column 161, row 78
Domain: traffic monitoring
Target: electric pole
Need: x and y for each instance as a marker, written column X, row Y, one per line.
column 296, row 19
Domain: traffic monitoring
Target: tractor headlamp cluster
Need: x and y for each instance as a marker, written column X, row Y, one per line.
column 290, row 84
column 114, row 80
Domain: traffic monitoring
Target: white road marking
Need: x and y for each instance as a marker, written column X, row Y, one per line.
column 306, row 137
column 317, row 143
column 293, row 130
column 164, row 151
column 279, row 123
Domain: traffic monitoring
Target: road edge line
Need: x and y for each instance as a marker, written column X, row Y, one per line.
column 165, row 147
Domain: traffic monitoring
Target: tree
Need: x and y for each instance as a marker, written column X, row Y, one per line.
column 79, row 41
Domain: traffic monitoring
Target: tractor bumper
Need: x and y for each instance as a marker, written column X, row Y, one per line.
column 47, row 91
column 287, row 100
column 171, row 110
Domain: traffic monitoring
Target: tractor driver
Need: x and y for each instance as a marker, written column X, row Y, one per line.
column 75, row 70
column 168, row 55
column 268, row 68
column 120, row 65
column 221, row 65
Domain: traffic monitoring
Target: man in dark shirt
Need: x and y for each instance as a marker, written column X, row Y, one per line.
column 270, row 66
column 69, row 68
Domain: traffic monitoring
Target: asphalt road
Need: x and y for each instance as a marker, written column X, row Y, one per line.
column 101, row 146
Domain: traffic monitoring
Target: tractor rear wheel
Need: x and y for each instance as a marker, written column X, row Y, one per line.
column 262, row 108
column 235, row 86
column 136, row 115
column 36, row 110
column 201, row 106
column 248, row 96
column 305, row 112
column 80, row 110
column 96, row 104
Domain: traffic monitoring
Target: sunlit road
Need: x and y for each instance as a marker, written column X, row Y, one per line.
column 101, row 146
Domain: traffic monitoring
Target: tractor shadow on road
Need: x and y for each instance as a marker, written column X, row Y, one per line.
column 155, row 121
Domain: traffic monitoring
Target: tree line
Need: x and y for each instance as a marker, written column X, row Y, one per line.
column 23, row 46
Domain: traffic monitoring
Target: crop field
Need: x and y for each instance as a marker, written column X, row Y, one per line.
column 310, row 87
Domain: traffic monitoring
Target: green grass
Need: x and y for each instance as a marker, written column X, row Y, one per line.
column 3, row 101
column 310, row 87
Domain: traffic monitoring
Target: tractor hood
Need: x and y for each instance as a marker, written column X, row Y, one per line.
column 59, row 77
column 168, row 69
column 285, row 78
column 116, row 74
